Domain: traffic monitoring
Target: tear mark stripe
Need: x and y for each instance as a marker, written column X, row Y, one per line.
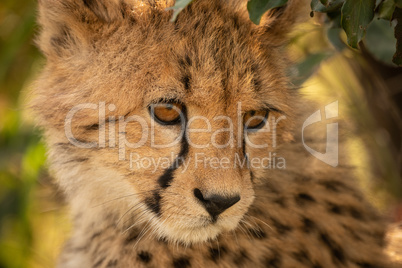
column 167, row 177
column 153, row 202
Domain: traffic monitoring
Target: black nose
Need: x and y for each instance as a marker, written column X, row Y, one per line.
column 216, row 204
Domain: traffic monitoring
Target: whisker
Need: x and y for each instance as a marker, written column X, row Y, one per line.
column 144, row 232
column 121, row 197
column 135, row 207
column 242, row 230
column 246, row 232
column 263, row 222
column 219, row 250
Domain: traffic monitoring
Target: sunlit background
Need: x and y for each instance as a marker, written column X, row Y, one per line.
column 33, row 217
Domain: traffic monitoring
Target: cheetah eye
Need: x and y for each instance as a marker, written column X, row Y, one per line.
column 254, row 120
column 166, row 113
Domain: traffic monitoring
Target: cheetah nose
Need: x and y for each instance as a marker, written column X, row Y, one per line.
column 216, row 204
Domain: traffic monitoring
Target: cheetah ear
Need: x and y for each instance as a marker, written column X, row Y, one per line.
column 277, row 23
column 68, row 26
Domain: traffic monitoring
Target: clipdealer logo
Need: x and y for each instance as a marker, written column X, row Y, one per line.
column 330, row 156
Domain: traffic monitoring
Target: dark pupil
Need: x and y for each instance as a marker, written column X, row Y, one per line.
column 169, row 106
column 252, row 113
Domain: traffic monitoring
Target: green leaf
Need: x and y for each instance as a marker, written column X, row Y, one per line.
column 356, row 16
column 398, row 35
column 377, row 3
column 257, row 8
column 334, row 36
column 380, row 40
column 306, row 68
column 398, row 3
column 331, row 5
column 178, row 7
column 386, row 9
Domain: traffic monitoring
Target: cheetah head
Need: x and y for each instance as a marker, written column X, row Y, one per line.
column 159, row 122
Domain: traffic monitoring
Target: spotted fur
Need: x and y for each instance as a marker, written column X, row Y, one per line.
column 128, row 54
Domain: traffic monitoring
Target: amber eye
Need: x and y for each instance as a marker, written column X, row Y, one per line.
column 255, row 120
column 166, row 113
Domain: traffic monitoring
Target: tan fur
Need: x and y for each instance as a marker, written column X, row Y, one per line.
column 128, row 54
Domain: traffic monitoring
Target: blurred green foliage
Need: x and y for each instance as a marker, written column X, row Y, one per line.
column 257, row 8
column 22, row 155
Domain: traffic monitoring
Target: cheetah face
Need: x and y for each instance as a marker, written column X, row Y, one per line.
column 171, row 121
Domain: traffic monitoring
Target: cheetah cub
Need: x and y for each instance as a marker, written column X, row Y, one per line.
column 176, row 142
